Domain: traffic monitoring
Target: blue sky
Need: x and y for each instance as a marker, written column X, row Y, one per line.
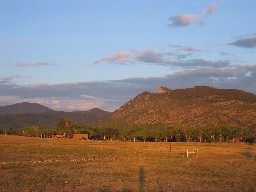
column 77, row 55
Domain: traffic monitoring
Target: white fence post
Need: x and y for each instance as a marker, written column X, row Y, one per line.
column 195, row 151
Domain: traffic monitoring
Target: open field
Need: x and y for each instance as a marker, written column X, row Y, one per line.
column 34, row 164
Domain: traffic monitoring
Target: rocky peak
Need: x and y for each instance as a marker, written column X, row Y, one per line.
column 162, row 89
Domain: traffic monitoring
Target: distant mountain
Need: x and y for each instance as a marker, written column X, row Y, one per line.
column 25, row 107
column 26, row 114
column 192, row 107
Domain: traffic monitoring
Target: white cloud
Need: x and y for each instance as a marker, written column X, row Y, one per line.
column 119, row 57
column 211, row 9
column 148, row 56
column 187, row 48
column 36, row 64
column 184, row 20
column 153, row 57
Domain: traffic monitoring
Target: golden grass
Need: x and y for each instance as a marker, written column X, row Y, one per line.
column 34, row 164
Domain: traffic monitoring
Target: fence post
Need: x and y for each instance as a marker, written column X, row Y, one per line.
column 195, row 151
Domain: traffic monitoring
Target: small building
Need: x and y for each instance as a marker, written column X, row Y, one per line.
column 81, row 136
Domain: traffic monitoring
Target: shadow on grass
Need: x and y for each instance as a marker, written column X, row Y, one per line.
column 141, row 183
column 141, row 179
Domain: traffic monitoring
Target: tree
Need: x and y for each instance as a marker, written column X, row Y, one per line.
column 65, row 126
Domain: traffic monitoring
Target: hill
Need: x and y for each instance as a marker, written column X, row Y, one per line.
column 24, row 107
column 199, row 106
column 26, row 114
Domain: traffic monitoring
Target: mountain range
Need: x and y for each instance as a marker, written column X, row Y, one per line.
column 25, row 114
column 199, row 106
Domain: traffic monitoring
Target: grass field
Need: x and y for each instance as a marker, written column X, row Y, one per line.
column 34, row 164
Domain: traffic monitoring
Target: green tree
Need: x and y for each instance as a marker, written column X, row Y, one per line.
column 65, row 126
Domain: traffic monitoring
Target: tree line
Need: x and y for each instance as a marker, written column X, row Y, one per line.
column 220, row 133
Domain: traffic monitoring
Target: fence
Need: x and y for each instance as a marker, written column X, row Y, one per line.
column 194, row 152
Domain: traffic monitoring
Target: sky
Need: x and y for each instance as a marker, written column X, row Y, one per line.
column 78, row 55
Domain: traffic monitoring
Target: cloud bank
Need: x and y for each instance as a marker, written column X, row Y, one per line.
column 150, row 57
column 11, row 77
column 110, row 95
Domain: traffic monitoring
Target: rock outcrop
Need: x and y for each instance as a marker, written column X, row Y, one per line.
column 162, row 89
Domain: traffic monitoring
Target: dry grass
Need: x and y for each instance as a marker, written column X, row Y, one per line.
column 33, row 164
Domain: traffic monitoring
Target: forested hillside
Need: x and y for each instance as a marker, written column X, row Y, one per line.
column 196, row 107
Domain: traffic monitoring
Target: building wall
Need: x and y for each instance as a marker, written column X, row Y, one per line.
column 81, row 136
